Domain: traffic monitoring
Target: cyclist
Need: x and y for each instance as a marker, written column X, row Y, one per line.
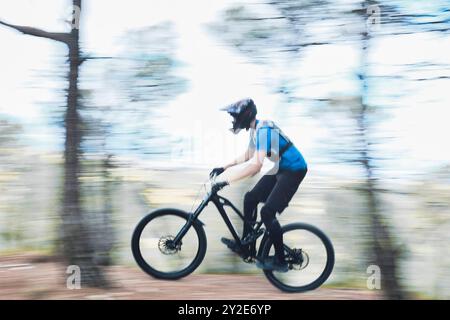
column 275, row 189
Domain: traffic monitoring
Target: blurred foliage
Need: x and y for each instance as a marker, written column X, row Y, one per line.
column 122, row 103
column 125, row 96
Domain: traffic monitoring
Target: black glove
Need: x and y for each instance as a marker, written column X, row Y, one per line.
column 218, row 185
column 216, row 172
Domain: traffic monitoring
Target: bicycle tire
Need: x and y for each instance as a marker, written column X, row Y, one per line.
column 147, row 268
column 328, row 266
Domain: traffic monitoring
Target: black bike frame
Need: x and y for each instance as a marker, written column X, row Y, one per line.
column 220, row 202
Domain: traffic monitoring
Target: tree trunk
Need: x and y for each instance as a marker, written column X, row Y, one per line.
column 383, row 249
column 77, row 246
column 76, row 238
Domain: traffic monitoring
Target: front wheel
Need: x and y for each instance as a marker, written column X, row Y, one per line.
column 155, row 251
column 310, row 256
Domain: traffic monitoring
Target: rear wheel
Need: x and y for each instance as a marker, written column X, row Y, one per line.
column 310, row 256
column 156, row 253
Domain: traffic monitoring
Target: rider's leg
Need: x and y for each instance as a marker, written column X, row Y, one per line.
column 251, row 201
column 287, row 183
column 258, row 194
column 268, row 216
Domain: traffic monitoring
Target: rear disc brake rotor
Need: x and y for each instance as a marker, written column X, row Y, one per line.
column 300, row 259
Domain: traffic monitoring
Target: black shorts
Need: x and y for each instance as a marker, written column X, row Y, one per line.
column 276, row 191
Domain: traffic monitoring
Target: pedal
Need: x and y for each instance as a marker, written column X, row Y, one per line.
column 231, row 245
column 249, row 260
column 252, row 237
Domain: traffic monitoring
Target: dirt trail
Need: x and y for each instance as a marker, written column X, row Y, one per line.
column 28, row 277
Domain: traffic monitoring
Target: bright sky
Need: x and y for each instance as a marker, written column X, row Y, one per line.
column 417, row 112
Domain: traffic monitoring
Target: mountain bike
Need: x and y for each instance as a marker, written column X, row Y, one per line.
column 170, row 244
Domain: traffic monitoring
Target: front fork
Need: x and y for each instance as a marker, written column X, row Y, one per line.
column 192, row 218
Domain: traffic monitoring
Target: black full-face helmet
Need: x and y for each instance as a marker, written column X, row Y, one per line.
column 243, row 113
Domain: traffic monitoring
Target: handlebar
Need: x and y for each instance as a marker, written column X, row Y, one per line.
column 212, row 179
column 215, row 187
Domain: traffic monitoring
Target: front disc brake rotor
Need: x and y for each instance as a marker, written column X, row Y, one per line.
column 166, row 245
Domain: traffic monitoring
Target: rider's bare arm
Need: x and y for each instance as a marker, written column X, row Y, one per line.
column 241, row 159
column 251, row 169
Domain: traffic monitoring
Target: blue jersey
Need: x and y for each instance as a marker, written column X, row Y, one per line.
column 267, row 136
